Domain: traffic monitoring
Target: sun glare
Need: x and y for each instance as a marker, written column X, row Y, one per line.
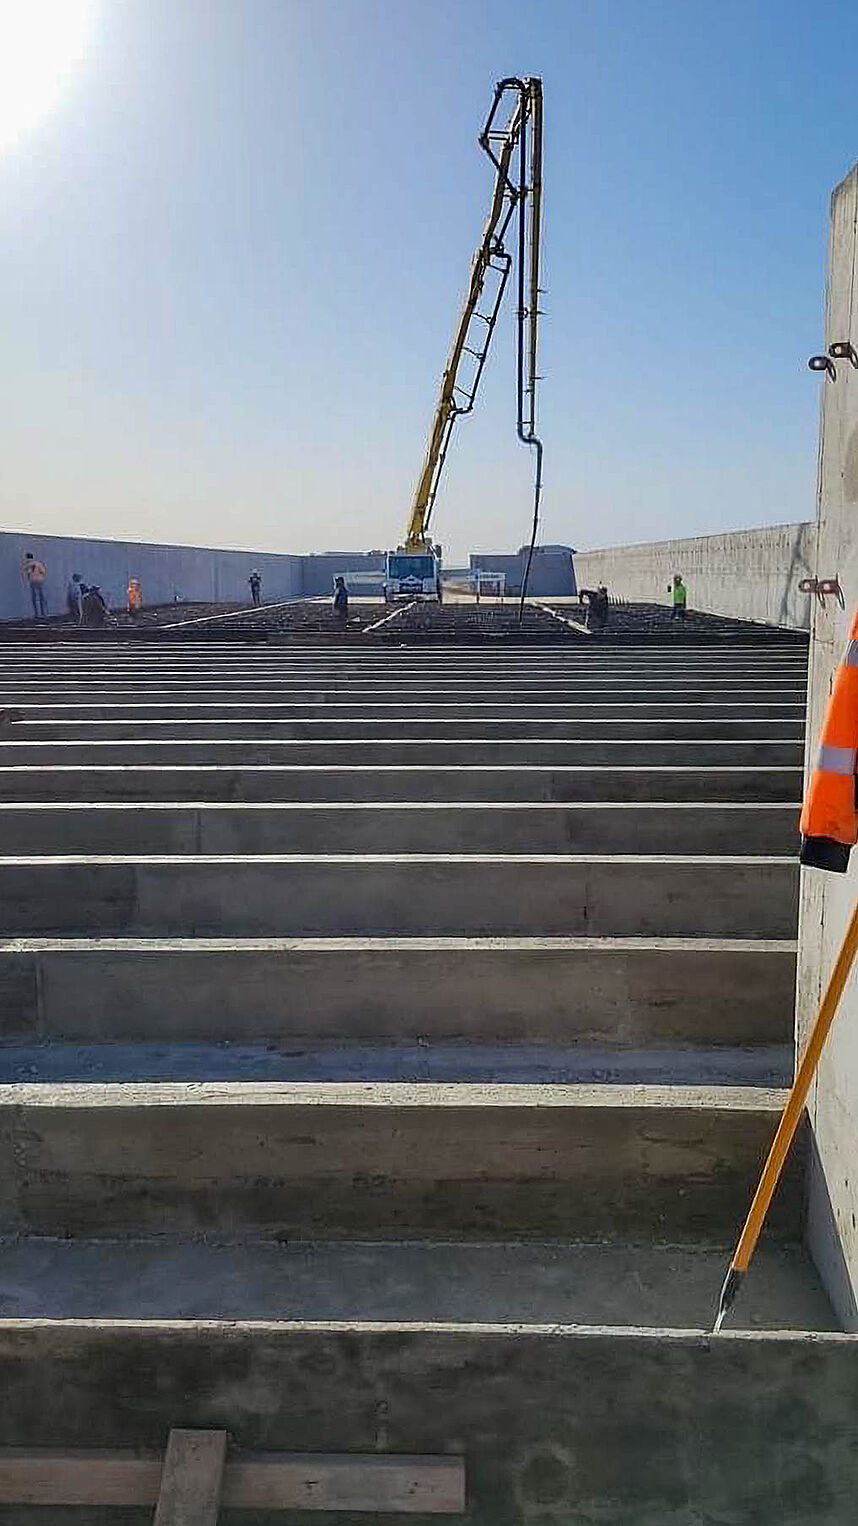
column 42, row 43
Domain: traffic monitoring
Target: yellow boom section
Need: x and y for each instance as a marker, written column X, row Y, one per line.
column 489, row 271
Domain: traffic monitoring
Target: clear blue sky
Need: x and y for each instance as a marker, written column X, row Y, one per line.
column 231, row 257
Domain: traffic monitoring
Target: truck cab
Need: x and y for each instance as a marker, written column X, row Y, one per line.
column 412, row 575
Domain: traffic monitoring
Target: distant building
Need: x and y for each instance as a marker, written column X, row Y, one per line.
column 552, row 572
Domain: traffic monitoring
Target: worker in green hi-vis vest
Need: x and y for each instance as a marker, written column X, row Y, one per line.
column 679, row 593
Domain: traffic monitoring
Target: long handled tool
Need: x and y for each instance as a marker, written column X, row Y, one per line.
column 789, row 1120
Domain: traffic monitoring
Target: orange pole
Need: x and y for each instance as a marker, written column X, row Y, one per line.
column 789, row 1119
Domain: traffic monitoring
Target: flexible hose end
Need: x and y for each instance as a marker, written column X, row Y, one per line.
column 732, row 1284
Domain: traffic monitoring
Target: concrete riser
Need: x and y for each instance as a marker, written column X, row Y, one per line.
column 629, row 1428
column 333, row 828
column 596, row 993
column 368, row 1161
column 389, row 783
column 692, row 752
column 683, row 897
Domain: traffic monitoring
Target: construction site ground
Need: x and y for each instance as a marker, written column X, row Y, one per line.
column 460, row 619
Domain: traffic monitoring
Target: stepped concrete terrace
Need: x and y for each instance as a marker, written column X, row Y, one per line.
column 390, row 1044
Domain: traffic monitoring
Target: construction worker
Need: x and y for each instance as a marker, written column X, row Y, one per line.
column 341, row 599
column 598, row 607
column 829, row 818
column 35, row 574
column 255, row 581
column 74, row 596
column 679, row 593
column 135, row 597
column 94, row 610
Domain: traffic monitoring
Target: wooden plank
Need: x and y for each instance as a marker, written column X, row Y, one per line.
column 269, row 1481
column 78, row 1478
column 192, row 1479
column 322, row 1481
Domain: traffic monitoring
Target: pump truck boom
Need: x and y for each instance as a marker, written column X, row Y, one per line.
column 512, row 138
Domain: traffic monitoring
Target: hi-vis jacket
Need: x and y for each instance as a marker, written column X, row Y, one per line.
column 829, row 818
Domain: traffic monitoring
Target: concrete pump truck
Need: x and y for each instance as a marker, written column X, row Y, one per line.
column 512, row 138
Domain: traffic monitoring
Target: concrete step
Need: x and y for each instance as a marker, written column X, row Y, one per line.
column 670, row 1164
column 404, row 894
column 622, row 992
column 40, row 722
column 355, row 782
column 172, row 656
column 628, row 691
column 432, row 728
column 379, row 827
column 260, row 687
column 503, row 708
column 655, row 1286
column 781, row 751
column 624, row 689
column 556, row 1422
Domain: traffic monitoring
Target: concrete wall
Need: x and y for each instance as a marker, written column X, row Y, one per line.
column 827, row 899
column 198, row 574
column 552, row 572
column 318, row 572
column 747, row 574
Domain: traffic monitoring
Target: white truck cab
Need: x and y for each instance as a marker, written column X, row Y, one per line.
column 412, row 575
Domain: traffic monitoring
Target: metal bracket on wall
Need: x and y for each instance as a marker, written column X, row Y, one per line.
column 823, row 586
column 843, row 349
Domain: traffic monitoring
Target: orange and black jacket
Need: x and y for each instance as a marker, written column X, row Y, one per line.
column 829, row 819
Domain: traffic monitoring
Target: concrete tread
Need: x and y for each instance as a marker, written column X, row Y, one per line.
column 332, row 806
column 662, row 1289
column 465, row 1061
column 392, row 1094
column 554, row 859
column 414, row 768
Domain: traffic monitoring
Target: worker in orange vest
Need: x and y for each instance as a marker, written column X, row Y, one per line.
column 829, row 819
column 135, row 597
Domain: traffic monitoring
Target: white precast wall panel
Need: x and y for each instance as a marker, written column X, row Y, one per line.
column 827, row 899
column 165, row 572
column 185, row 573
column 746, row 574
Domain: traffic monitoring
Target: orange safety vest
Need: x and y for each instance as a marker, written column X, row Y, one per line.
column 135, row 595
column 829, row 818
